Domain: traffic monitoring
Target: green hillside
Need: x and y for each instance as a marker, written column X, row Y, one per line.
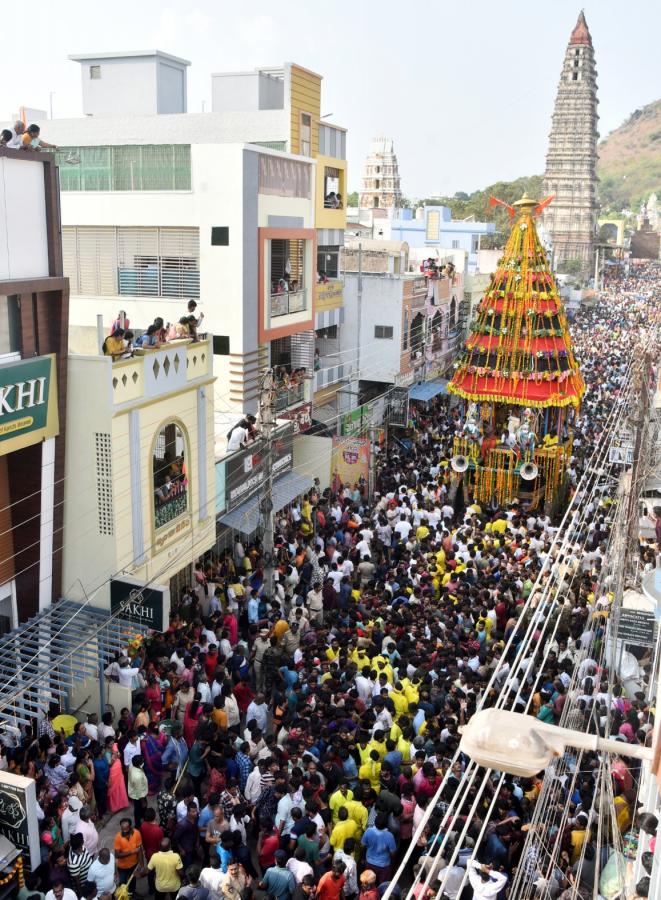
column 630, row 160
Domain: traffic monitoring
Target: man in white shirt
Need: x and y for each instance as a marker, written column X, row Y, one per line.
column 486, row 882
column 403, row 528
column 60, row 892
column 238, row 438
column 70, row 817
column 131, row 749
column 16, row 140
column 102, row 872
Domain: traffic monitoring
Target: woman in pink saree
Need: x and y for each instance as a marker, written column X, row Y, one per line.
column 117, row 796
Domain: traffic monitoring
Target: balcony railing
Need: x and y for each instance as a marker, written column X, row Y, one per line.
column 329, row 375
column 288, row 302
column 289, row 397
column 174, row 506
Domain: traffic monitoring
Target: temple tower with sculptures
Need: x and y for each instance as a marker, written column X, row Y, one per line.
column 571, row 161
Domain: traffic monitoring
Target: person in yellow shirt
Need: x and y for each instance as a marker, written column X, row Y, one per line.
column 383, row 667
column 400, row 700
column 358, row 812
column 371, row 771
column 378, row 743
column 404, row 747
column 499, row 526
column 422, row 531
column 333, row 650
column 363, row 748
column 339, row 799
column 440, row 561
column 345, row 828
column 410, row 688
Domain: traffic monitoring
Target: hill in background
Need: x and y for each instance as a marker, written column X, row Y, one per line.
column 630, row 161
column 629, row 170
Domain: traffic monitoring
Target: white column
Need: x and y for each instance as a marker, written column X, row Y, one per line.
column 46, row 523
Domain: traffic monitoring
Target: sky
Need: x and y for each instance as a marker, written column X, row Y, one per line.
column 465, row 89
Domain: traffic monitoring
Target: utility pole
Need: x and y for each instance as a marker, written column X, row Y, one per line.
column 640, row 399
column 267, row 420
column 371, row 470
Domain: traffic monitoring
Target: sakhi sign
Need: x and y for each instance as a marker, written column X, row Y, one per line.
column 350, row 460
column 28, row 403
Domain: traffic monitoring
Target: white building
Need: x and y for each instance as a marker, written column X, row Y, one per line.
column 227, row 208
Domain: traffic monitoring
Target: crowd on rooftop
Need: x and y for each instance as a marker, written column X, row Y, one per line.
column 20, row 137
column 122, row 342
column 291, row 744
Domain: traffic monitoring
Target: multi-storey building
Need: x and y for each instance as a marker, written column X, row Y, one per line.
column 240, row 209
column 401, row 324
column 33, row 386
column 571, row 162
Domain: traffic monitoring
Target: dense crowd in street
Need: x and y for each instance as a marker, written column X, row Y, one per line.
column 291, row 745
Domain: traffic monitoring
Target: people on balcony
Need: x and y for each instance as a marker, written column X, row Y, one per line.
column 333, row 200
column 322, row 277
column 241, row 434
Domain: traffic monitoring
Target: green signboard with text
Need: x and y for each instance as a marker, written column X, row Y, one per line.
column 28, row 403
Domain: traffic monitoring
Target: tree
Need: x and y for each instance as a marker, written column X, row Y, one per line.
column 571, row 267
column 352, row 198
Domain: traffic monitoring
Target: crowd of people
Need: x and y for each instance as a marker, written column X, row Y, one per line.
column 292, row 744
column 122, row 342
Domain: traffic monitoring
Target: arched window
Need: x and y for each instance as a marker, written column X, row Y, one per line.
column 170, row 474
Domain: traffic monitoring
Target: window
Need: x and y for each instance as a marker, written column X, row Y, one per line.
column 95, row 73
column 306, row 134
column 377, row 184
column 384, row 332
column 9, row 325
column 170, row 475
column 135, row 262
column 378, row 169
column 455, row 245
column 327, row 334
column 283, row 177
column 328, row 262
column 433, row 225
column 405, row 336
column 288, row 293
column 144, row 167
column 475, row 243
column 375, row 203
column 332, row 188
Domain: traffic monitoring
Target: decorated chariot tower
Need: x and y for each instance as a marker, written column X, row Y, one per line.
column 518, row 378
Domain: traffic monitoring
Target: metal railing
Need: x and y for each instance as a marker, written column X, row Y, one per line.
column 289, row 396
column 288, row 302
column 171, row 508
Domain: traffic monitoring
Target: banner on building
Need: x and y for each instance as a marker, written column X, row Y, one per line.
column 28, row 403
column 350, row 460
column 246, row 471
column 300, row 416
column 399, row 407
column 18, row 815
column 352, row 422
column 134, row 601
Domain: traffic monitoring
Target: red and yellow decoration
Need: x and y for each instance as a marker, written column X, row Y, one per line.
column 519, row 356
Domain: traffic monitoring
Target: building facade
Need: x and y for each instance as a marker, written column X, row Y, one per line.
column 34, row 299
column 140, row 485
column 432, row 228
column 571, row 162
column 240, row 209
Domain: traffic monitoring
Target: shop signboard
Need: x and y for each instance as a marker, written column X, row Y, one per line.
column 352, row 422
column 350, row 459
column 399, row 407
column 145, row 604
column 28, row 403
column 18, row 815
column 246, row 471
column 636, row 627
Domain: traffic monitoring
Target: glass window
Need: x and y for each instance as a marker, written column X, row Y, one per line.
column 95, row 73
column 306, row 134
column 170, row 475
column 383, row 332
column 9, row 325
column 328, row 262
